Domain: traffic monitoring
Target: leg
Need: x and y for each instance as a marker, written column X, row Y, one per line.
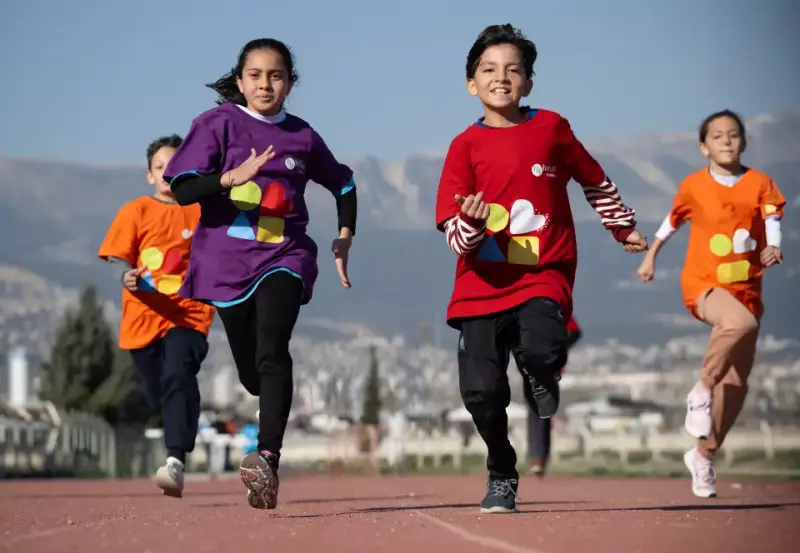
column 277, row 306
column 240, row 328
column 715, row 401
column 483, row 356
column 541, row 353
column 539, row 442
column 147, row 362
column 182, row 352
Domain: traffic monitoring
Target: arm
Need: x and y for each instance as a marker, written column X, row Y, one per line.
column 772, row 209
column 195, row 171
column 599, row 190
column 462, row 232
column 680, row 213
column 120, row 246
column 337, row 178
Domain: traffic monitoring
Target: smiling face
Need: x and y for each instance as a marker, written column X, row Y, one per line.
column 724, row 143
column 265, row 81
column 500, row 80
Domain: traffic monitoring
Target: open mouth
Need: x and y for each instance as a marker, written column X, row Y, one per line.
column 501, row 91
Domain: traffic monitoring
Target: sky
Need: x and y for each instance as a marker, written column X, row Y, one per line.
column 93, row 81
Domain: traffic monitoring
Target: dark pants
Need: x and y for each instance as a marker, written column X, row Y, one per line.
column 169, row 368
column 259, row 330
column 535, row 333
column 539, row 432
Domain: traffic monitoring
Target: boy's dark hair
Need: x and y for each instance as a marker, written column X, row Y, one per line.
column 171, row 141
column 226, row 85
column 502, row 34
column 703, row 131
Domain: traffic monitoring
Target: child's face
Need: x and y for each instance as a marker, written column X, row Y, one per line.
column 723, row 144
column 500, row 80
column 155, row 175
column 265, row 81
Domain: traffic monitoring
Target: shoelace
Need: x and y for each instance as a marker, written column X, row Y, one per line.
column 503, row 488
column 706, row 471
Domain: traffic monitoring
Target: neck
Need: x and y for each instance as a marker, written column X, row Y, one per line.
column 727, row 169
column 164, row 197
column 513, row 115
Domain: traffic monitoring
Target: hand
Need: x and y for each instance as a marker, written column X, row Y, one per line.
column 635, row 243
column 130, row 279
column 771, row 256
column 647, row 269
column 474, row 206
column 248, row 169
column 341, row 251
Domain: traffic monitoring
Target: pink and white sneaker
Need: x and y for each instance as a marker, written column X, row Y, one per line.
column 704, row 478
column 698, row 412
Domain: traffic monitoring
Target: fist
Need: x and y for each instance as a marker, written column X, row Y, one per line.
column 473, row 206
column 771, row 256
column 635, row 243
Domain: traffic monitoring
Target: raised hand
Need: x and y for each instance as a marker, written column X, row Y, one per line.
column 635, row 243
column 473, row 206
column 771, row 256
column 130, row 280
column 247, row 170
column 341, row 252
column 647, row 269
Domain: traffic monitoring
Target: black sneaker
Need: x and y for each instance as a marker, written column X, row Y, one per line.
column 501, row 496
column 542, row 392
column 259, row 473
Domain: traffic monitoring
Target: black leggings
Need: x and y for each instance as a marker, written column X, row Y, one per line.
column 259, row 330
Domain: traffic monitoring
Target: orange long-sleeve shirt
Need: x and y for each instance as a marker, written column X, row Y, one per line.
column 727, row 235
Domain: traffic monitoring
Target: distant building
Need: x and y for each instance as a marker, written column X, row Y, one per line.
column 20, row 377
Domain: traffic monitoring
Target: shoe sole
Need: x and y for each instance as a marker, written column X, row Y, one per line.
column 690, row 468
column 547, row 405
column 168, row 486
column 260, row 480
column 498, row 510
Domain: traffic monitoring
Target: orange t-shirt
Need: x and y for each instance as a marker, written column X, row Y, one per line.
column 157, row 236
column 727, row 235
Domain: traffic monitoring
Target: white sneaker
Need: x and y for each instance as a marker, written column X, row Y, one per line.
column 698, row 412
column 170, row 478
column 704, row 478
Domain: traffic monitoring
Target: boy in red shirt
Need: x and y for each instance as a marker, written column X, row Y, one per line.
column 503, row 206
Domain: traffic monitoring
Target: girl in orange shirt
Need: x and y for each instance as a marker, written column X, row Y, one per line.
column 735, row 214
column 150, row 240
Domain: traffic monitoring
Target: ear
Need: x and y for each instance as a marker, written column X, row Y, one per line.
column 472, row 88
column 150, row 178
column 744, row 145
column 527, row 88
column 239, row 84
column 704, row 149
column 289, row 88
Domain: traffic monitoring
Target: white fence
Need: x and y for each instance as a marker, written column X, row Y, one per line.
column 56, row 443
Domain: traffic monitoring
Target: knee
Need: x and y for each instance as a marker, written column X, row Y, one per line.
column 741, row 325
column 485, row 405
column 543, row 356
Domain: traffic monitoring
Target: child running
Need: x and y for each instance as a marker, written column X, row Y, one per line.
column 735, row 214
column 149, row 241
column 247, row 162
column 503, row 206
column 539, row 429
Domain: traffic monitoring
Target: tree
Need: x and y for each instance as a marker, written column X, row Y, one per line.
column 370, row 413
column 86, row 371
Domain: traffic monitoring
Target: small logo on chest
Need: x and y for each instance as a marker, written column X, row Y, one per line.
column 540, row 169
column 293, row 164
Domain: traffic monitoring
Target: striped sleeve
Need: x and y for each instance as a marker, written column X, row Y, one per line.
column 462, row 236
column 600, row 191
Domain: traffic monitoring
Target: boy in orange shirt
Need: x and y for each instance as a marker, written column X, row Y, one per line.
column 150, row 240
column 735, row 215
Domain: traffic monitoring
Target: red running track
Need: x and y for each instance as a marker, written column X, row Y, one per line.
column 400, row 514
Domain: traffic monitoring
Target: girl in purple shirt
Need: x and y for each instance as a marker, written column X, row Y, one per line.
column 247, row 162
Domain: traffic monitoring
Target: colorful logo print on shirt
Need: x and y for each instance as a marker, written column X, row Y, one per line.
column 722, row 246
column 521, row 221
column 170, row 264
column 270, row 205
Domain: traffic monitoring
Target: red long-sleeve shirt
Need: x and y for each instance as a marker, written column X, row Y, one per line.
column 527, row 247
